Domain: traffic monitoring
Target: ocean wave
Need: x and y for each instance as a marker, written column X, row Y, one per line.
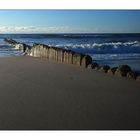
column 125, row 56
column 106, row 35
column 82, row 36
column 2, row 42
column 134, row 43
column 107, row 47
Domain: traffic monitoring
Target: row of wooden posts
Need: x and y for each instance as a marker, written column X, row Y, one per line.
column 60, row 54
column 53, row 53
column 71, row 57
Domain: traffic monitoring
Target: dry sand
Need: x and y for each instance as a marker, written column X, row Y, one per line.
column 43, row 94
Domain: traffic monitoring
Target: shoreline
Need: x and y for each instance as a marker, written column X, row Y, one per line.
column 72, row 57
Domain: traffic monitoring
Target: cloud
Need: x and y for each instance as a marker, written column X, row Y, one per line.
column 44, row 29
column 57, row 29
column 33, row 29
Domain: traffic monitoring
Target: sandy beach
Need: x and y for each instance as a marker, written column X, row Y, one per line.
column 42, row 94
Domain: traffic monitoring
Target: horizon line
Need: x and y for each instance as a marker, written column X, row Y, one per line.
column 74, row 33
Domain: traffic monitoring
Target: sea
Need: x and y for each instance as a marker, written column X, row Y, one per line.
column 105, row 49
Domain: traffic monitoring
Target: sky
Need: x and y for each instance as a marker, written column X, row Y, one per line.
column 69, row 21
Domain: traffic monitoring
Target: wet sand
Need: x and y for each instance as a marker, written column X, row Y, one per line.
column 42, row 94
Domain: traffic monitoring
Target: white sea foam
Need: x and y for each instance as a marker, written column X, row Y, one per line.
column 114, row 45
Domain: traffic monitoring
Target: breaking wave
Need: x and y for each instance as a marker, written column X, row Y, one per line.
column 7, row 51
column 110, row 47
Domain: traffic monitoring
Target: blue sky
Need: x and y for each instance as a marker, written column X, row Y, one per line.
column 69, row 21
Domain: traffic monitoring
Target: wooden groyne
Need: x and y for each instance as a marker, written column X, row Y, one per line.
column 53, row 53
column 60, row 54
column 17, row 45
column 71, row 57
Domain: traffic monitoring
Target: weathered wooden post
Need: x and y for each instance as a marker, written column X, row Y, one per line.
column 60, row 54
column 77, row 59
column 86, row 60
column 70, row 57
